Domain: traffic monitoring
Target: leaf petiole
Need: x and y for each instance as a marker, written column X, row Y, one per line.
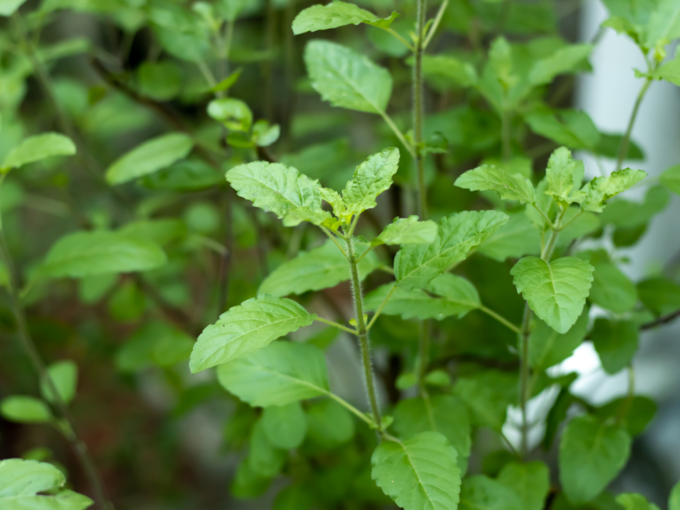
column 336, row 325
column 500, row 319
column 377, row 313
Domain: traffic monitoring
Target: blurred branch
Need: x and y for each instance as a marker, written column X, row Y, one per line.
column 660, row 321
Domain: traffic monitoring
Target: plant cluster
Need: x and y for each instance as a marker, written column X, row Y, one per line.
column 475, row 252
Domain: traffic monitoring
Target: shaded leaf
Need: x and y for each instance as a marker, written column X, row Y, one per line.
column 285, row 426
column 671, row 179
column 490, row 177
column 616, row 343
column 530, row 481
column 612, row 289
column 481, row 492
column 547, row 347
column 518, row 237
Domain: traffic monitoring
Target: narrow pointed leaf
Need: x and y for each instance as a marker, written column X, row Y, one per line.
column 337, row 14
column 279, row 374
column 370, row 179
column 555, row 291
column 280, row 189
column 407, row 231
column 36, row 148
column 419, row 473
column 347, row 79
column 416, row 265
column 490, row 177
column 246, row 328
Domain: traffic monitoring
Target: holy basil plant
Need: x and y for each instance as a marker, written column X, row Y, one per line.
column 379, row 305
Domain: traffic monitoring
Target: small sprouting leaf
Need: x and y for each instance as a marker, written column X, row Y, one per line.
column 407, row 231
column 441, row 413
column 564, row 60
column 612, row 289
column 149, row 157
column 500, row 59
column 530, row 481
column 36, row 148
column 556, row 291
column 671, row 179
column 480, row 491
column 631, row 501
column 337, row 14
column 279, row 374
column 228, row 82
column 547, row 347
column 601, row 189
column 564, row 176
column 285, row 426
column 246, row 328
column 591, row 454
column 316, row 269
column 518, row 237
column 416, row 265
column 347, row 79
column 488, row 395
column 490, row 177
column 233, row 113
column 22, row 480
column 418, row 473
column 616, row 343
column 23, row 409
column 64, row 375
column 265, row 134
column 84, row 254
column 370, row 179
column 281, row 189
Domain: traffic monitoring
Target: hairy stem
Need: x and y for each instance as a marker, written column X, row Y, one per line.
column 77, row 444
column 625, row 143
column 362, row 333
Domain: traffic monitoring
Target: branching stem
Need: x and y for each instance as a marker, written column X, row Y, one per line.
column 623, row 149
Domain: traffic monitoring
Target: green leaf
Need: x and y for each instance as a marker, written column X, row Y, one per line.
column 419, row 473
column 186, row 175
column 626, row 214
column 285, row 426
column 659, row 295
column 674, row 499
column 441, row 413
column 455, row 296
column 455, row 72
column 601, row 189
column 565, row 127
column 329, row 424
column 316, row 269
column 530, row 481
column 279, row 374
column 64, row 375
column 160, row 231
column 482, row 493
column 591, row 454
column 370, row 179
column 416, row 265
column 407, row 231
column 564, row 60
column 488, row 395
column 548, row 348
column 337, row 14
column 83, row 254
column 263, row 457
column 23, row 409
column 616, row 343
column 22, row 480
column 36, row 148
column 246, row 328
column 160, row 80
column 265, row 134
column 631, row 501
column 233, row 113
column 555, row 291
column 564, row 175
column 281, row 189
column 671, row 179
column 640, row 411
column 149, row 157
column 347, row 79
column 248, row 483
column 664, row 23
column 518, row 237
column 228, row 82
column 612, row 290
column 9, row 7
column 670, row 71
column 490, row 177
column 294, row 497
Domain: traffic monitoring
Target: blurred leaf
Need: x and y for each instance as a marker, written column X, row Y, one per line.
column 233, row 113
column 616, row 343
column 482, row 492
column 328, row 423
column 547, row 347
column 187, row 175
column 9, row 7
column 518, row 237
column 639, row 412
column 612, row 290
column 671, row 179
column 22, row 409
column 64, row 375
column 631, row 501
column 530, row 481
column 285, row 425
column 36, row 148
column 159, row 80
column 572, row 128
column 660, row 295
column 264, row 458
column 564, row 60
column 488, row 395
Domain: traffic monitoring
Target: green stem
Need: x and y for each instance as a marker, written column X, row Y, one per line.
column 500, row 319
column 392, row 32
column 623, row 149
column 336, row 325
column 505, row 135
column 377, row 313
column 351, row 408
column 398, row 132
column 423, row 356
column 362, row 333
column 418, row 109
column 437, row 20
column 332, row 238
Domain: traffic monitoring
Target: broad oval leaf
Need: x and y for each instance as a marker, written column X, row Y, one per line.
column 279, row 374
column 491, row 177
column 337, row 14
column 416, row 265
column 84, row 254
column 419, row 473
column 518, row 237
column 25, row 409
column 149, row 157
column 246, row 328
column 370, row 179
column 612, row 289
column 616, row 342
column 36, row 148
column 481, row 492
column 407, row 231
column 285, row 426
column 591, row 454
column 547, row 347
column 316, row 269
column 488, row 395
column 530, row 481
column 555, row 291
column 280, row 189
column 347, row 79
